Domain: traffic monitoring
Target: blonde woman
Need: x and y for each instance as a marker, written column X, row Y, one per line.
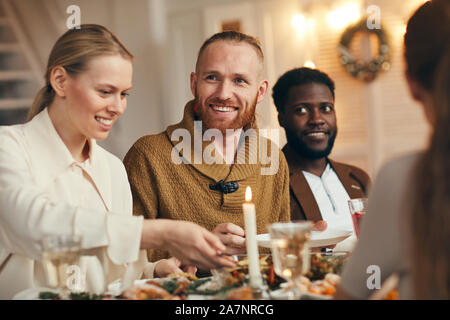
column 407, row 229
column 55, row 179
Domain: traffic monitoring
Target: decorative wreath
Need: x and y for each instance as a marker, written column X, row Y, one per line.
column 364, row 71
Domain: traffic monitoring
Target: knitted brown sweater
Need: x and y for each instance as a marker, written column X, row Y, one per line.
column 163, row 189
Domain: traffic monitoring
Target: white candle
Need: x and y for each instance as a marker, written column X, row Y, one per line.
column 250, row 237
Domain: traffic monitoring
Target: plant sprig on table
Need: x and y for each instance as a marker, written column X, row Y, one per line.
column 47, row 295
column 192, row 289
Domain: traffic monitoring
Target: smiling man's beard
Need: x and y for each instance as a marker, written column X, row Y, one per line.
column 241, row 121
column 304, row 151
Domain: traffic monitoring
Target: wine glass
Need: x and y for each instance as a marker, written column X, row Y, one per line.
column 358, row 208
column 60, row 255
column 290, row 252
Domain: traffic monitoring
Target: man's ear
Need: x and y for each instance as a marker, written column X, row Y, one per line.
column 262, row 90
column 58, row 80
column 193, row 82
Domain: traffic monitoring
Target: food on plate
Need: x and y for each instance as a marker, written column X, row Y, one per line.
column 242, row 293
column 47, row 295
column 322, row 287
column 177, row 286
column 208, row 287
column 237, row 275
column 323, row 275
column 392, row 295
column 228, row 283
column 332, row 278
column 89, row 296
column 169, row 288
column 321, row 265
column 146, row 291
column 235, row 278
column 265, row 262
column 327, row 286
column 181, row 288
column 186, row 275
column 302, row 283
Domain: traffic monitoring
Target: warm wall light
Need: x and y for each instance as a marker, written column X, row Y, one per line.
column 311, row 23
column 403, row 29
column 299, row 22
column 309, row 64
column 415, row 4
column 344, row 16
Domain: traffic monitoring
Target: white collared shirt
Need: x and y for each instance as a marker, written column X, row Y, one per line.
column 44, row 191
column 332, row 200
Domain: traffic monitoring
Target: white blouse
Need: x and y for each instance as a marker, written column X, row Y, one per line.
column 44, row 191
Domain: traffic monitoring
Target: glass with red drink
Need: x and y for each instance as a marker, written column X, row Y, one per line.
column 358, row 208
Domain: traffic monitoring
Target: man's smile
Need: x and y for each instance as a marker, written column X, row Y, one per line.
column 316, row 135
column 222, row 108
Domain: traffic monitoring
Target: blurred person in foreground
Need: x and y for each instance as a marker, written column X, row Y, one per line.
column 319, row 186
column 55, row 179
column 407, row 228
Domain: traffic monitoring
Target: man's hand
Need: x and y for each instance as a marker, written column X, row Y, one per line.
column 232, row 236
column 165, row 267
column 187, row 241
column 321, row 225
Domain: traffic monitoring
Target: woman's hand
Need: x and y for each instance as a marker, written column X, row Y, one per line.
column 165, row 267
column 187, row 241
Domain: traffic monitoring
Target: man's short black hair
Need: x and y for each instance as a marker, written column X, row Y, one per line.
column 296, row 77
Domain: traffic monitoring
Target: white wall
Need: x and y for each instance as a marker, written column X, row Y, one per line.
column 130, row 20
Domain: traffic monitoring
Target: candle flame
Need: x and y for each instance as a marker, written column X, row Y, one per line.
column 248, row 194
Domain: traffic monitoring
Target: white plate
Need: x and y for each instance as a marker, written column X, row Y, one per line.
column 312, row 296
column 318, row 238
column 281, row 294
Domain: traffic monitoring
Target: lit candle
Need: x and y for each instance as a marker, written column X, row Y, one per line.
column 250, row 237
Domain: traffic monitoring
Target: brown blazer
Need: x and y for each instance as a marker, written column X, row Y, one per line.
column 303, row 204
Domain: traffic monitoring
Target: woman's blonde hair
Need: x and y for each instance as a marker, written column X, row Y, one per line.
column 72, row 51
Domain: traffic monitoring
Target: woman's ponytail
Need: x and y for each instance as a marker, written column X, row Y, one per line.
column 42, row 99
